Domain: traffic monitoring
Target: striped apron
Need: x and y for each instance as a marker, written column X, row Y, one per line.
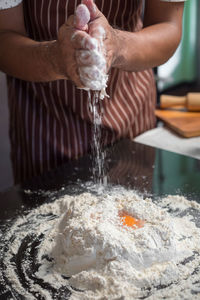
column 50, row 122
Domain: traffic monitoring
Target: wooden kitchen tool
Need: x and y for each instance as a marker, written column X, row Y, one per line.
column 191, row 101
column 187, row 124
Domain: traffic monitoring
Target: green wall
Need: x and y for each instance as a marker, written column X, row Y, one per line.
column 182, row 67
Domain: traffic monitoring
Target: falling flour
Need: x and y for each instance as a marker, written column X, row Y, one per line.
column 92, row 71
column 84, row 247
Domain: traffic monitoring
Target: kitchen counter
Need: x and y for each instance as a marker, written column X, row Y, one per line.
column 150, row 171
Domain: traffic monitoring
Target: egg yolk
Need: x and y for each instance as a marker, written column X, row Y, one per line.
column 131, row 222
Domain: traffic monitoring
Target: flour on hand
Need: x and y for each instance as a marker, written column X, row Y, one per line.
column 93, row 70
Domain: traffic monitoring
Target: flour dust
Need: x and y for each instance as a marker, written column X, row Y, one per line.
column 77, row 248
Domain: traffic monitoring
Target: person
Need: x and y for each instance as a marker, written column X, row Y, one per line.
column 50, row 121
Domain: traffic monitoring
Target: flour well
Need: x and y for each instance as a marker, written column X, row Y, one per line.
column 84, row 240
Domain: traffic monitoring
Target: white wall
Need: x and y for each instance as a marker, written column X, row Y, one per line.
column 6, row 178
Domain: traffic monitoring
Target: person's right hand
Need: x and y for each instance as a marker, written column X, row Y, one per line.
column 72, row 36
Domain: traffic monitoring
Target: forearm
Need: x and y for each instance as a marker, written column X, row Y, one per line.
column 147, row 48
column 29, row 60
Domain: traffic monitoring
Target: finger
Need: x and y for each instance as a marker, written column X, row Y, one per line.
column 74, row 76
column 70, row 21
column 82, row 17
column 97, row 31
column 94, row 11
column 92, row 78
column 90, row 58
column 82, row 40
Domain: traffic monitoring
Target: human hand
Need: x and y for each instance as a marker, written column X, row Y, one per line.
column 91, row 62
column 100, row 29
column 82, row 56
column 73, row 36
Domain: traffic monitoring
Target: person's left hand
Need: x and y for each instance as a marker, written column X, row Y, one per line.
column 100, row 29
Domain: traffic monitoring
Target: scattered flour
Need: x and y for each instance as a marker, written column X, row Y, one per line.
column 83, row 238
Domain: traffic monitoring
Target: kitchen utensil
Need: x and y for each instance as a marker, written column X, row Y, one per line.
column 191, row 101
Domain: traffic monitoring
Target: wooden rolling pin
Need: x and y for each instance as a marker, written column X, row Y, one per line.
column 191, row 101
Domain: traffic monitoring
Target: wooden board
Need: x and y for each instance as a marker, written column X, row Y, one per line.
column 186, row 124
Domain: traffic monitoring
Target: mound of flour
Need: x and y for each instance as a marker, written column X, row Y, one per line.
column 106, row 260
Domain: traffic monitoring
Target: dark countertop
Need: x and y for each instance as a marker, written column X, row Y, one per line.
column 146, row 169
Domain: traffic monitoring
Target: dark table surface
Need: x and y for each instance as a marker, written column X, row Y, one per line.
column 148, row 170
